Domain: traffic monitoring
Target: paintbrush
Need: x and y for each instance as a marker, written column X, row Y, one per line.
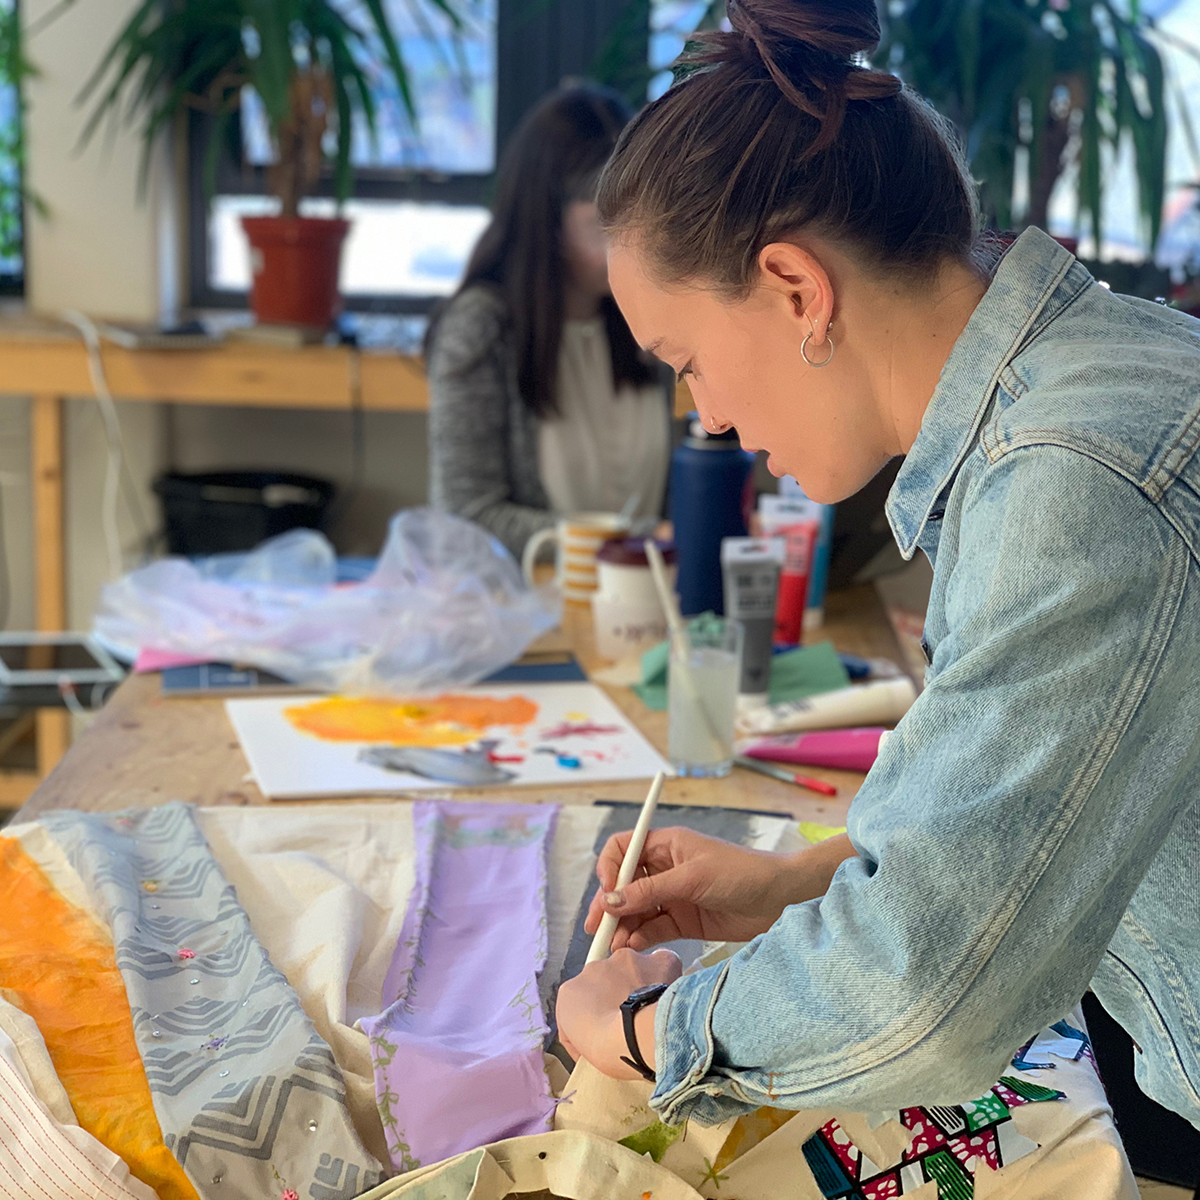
column 682, row 662
column 602, row 942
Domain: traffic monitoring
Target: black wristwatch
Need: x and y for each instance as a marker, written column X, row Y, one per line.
column 629, row 1009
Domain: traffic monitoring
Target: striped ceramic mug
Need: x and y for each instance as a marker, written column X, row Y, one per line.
column 577, row 537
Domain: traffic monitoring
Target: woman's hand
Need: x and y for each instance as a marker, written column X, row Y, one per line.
column 588, row 1011
column 692, row 886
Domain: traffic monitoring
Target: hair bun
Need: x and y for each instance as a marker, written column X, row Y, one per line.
column 809, row 49
column 840, row 28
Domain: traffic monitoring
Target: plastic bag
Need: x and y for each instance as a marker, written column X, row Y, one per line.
column 445, row 606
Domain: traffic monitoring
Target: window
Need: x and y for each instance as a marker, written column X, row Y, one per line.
column 421, row 195
column 670, row 23
column 12, row 257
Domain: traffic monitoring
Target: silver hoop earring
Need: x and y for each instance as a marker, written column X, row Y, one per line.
column 804, row 351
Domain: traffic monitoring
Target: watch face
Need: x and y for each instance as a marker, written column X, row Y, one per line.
column 647, row 993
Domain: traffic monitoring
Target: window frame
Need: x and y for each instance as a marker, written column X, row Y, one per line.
column 539, row 43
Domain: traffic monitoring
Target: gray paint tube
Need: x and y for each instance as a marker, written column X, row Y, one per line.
column 750, row 567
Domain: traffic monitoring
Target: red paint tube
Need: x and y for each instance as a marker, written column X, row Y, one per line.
column 800, row 540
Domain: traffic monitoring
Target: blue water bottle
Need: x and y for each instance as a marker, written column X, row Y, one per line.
column 712, row 495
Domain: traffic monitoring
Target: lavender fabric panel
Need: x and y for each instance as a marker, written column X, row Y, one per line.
column 457, row 1050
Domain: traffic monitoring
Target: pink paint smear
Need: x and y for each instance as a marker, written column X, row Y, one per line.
column 586, row 729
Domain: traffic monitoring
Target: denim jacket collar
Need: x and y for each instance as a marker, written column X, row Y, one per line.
column 1016, row 304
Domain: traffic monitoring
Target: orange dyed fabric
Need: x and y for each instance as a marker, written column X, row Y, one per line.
column 450, row 720
column 63, row 973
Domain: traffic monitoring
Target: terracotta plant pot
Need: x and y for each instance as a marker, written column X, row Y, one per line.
column 294, row 265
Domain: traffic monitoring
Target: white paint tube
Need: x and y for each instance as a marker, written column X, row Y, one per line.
column 881, row 703
column 750, row 567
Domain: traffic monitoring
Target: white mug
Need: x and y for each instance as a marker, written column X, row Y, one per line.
column 627, row 612
column 578, row 537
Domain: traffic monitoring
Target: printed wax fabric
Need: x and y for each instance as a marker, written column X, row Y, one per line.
column 458, row 1047
column 248, row 1097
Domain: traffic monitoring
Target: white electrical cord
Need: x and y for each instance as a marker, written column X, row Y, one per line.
column 116, row 444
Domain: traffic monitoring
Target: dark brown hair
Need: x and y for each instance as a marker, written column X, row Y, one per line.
column 554, row 157
column 775, row 127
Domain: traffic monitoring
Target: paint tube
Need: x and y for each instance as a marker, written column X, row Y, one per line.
column 798, row 523
column 818, row 577
column 884, row 702
column 751, row 568
column 837, row 749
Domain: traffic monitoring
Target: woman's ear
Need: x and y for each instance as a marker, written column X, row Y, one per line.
column 799, row 278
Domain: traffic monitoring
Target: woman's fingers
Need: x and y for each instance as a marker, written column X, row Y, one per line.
column 663, row 928
column 661, row 852
column 610, row 859
column 650, row 892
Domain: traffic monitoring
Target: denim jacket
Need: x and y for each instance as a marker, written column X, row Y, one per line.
column 1032, row 828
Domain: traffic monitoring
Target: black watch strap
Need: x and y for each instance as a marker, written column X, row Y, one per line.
column 630, row 1009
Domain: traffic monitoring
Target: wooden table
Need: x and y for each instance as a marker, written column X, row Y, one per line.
column 143, row 750
column 47, row 361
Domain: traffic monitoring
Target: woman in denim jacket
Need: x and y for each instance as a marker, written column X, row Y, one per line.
column 796, row 235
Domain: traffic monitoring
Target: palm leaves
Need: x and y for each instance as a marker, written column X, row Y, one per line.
column 14, row 70
column 311, row 63
column 1059, row 84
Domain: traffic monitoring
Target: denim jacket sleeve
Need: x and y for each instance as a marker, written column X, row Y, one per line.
column 1001, row 833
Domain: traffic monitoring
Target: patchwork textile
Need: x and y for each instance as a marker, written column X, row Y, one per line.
column 58, row 966
column 241, row 1083
column 1052, row 1145
column 458, row 1048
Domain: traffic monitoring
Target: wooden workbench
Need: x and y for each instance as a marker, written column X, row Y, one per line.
column 143, row 750
column 46, row 360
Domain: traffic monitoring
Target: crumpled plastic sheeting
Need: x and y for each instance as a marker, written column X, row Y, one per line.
column 445, row 607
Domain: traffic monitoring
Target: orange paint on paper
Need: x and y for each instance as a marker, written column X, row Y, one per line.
column 58, row 966
column 449, row 720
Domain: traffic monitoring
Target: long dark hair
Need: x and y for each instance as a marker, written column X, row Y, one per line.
column 775, row 127
column 554, row 157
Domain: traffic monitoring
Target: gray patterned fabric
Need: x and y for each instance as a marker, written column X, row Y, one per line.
column 248, row 1096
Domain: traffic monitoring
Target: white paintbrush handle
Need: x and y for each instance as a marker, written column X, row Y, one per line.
column 602, row 941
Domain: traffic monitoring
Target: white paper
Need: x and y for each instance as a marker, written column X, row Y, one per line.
column 291, row 764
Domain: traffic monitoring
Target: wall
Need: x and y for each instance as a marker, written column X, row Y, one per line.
column 109, row 252
column 99, row 249
column 314, row 443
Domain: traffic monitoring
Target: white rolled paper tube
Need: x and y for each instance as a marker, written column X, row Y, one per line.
column 880, row 703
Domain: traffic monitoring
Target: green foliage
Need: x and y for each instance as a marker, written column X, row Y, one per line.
column 312, row 63
column 1064, row 82
column 14, row 70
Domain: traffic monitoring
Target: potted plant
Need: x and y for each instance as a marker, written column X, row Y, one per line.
column 311, row 63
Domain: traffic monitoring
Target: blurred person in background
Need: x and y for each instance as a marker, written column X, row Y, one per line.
column 541, row 402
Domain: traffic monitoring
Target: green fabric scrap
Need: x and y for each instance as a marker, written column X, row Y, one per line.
column 1032, row 1092
column 953, row 1182
column 805, row 671
column 654, row 1140
column 985, row 1111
